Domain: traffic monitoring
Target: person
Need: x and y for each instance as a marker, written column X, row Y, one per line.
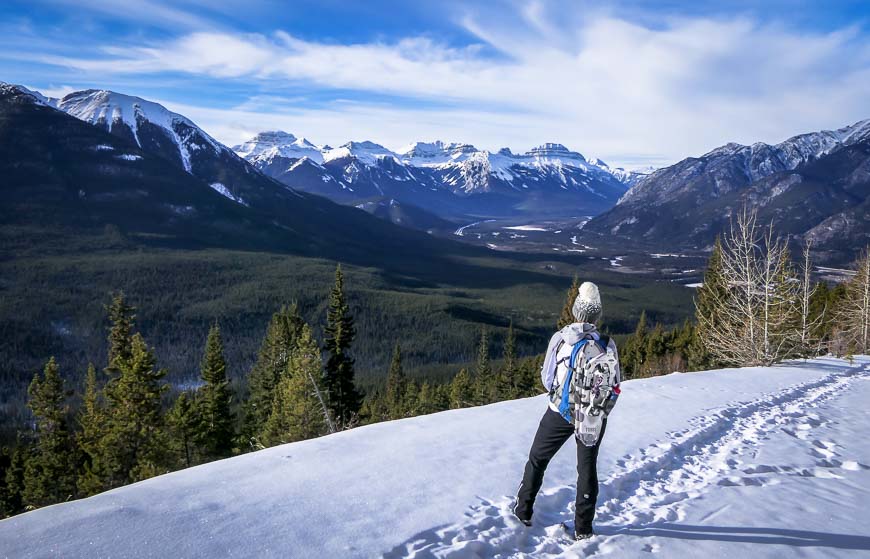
column 555, row 428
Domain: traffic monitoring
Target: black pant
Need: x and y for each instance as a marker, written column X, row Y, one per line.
column 552, row 434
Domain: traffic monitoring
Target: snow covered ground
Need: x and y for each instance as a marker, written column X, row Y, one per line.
column 755, row 462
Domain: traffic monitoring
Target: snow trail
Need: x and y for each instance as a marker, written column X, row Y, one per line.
column 654, row 485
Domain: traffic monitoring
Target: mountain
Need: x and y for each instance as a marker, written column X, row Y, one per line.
column 813, row 185
column 110, row 163
column 451, row 180
column 790, row 482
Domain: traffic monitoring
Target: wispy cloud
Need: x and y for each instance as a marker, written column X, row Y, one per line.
column 620, row 89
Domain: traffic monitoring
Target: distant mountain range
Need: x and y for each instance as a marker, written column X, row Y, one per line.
column 814, row 186
column 159, row 179
column 450, row 180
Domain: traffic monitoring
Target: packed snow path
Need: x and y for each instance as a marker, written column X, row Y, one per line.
column 753, row 462
column 650, row 494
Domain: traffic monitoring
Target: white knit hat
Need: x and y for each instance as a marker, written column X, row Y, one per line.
column 587, row 306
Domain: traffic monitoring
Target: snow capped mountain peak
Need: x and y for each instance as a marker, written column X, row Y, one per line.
column 266, row 146
column 855, row 133
column 264, row 141
column 436, row 153
column 369, row 153
column 135, row 119
column 13, row 88
column 101, row 106
column 554, row 150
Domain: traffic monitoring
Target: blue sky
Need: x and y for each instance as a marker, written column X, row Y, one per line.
column 632, row 82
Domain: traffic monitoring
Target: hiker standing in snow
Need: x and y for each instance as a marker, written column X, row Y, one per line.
column 581, row 373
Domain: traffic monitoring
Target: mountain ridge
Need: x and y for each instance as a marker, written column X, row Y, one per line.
column 812, row 186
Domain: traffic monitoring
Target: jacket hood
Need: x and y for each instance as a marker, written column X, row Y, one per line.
column 573, row 333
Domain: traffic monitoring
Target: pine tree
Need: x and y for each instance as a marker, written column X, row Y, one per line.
column 49, row 476
column 508, row 383
column 461, row 393
column 567, row 315
column 184, row 423
column 656, row 345
column 134, row 446
column 397, row 386
column 709, row 294
column 485, row 385
column 215, row 432
column 411, row 400
column 92, row 420
column 13, row 502
column 6, row 504
column 683, row 340
column 344, row 399
column 426, row 400
column 528, row 380
column 299, row 410
column 121, row 318
column 273, row 358
column 633, row 354
column 374, row 409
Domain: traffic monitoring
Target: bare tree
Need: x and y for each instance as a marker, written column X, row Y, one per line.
column 327, row 418
column 752, row 322
column 853, row 314
column 809, row 342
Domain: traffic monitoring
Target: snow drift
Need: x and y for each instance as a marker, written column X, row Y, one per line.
column 758, row 461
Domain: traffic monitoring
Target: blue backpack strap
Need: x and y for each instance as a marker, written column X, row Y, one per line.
column 565, row 404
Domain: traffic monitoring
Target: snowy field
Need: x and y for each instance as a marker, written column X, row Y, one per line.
column 755, row 462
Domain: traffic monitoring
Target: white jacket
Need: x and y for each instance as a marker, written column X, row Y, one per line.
column 558, row 355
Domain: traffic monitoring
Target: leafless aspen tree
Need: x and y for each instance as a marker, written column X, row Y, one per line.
column 809, row 342
column 854, row 312
column 755, row 316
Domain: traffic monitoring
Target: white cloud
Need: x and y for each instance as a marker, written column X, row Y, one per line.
column 603, row 85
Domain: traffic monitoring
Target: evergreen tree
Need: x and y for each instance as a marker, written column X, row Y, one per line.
column 134, row 445
column 299, row 411
column 709, row 294
column 273, row 358
column 13, row 502
column 683, row 340
column 633, row 354
column 441, row 396
column 49, row 474
column 215, row 432
column 397, row 386
column 121, row 318
column 374, row 409
column 184, row 422
column 5, row 497
column 567, row 315
column 426, row 400
column 509, row 383
column 485, row 385
column 528, row 378
column 461, row 393
column 92, row 420
column 344, row 399
column 410, row 402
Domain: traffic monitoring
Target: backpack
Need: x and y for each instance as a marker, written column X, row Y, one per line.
column 590, row 388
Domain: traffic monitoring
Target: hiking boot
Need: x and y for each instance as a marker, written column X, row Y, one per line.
column 583, row 535
column 526, row 521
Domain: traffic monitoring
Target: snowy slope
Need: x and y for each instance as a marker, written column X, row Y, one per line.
column 140, row 120
column 747, row 462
